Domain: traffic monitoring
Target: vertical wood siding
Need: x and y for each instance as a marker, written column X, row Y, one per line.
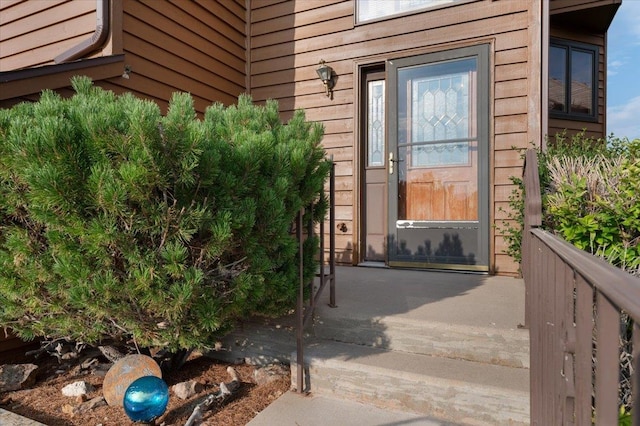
column 184, row 46
column 290, row 37
column 32, row 33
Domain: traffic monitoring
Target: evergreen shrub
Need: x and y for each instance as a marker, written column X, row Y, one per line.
column 118, row 223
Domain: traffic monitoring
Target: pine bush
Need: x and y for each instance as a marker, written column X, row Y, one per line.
column 119, row 223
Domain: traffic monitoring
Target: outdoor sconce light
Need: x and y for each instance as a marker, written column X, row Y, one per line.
column 325, row 72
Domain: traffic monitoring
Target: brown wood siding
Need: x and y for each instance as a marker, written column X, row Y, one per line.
column 32, row 33
column 13, row 348
column 592, row 129
column 289, row 39
column 184, row 46
column 26, row 85
column 563, row 6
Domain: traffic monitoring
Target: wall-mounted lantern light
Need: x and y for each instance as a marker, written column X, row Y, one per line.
column 325, row 72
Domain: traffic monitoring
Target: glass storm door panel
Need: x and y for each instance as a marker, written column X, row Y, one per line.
column 438, row 160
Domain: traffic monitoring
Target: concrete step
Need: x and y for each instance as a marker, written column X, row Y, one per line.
column 459, row 391
column 491, row 345
column 8, row 418
column 293, row 409
column 259, row 342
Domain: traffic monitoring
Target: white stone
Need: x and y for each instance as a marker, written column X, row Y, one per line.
column 77, row 389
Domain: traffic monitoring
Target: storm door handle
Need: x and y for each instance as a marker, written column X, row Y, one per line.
column 391, row 161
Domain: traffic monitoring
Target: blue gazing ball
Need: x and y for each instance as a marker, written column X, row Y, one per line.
column 146, row 399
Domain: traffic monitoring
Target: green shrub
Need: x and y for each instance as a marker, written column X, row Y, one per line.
column 593, row 204
column 119, row 223
column 578, row 145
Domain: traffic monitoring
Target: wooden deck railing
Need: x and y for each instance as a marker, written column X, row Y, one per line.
column 304, row 311
column 574, row 306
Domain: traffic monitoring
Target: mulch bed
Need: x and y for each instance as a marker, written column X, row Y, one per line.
column 44, row 401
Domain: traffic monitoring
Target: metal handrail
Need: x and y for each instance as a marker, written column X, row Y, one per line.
column 305, row 313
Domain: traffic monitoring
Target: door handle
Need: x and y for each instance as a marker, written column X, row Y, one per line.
column 391, row 161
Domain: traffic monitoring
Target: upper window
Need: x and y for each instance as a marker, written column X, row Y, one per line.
column 368, row 10
column 572, row 80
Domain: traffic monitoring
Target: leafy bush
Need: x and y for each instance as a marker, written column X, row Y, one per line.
column 119, row 223
column 576, row 146
column 593, row 204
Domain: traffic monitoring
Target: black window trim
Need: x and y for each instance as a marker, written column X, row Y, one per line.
column 575, row 45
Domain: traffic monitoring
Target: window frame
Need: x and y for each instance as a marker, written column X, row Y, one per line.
column 570, row 47
column 421, row 9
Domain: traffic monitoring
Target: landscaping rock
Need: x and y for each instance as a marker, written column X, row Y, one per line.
column 270, row 373
column 17, row 376
column 94, row 403
column 77, row 389
column 69, row 409
column 186, row 390
column 124, row 372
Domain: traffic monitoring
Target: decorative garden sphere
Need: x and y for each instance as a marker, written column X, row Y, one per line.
column 146, row 399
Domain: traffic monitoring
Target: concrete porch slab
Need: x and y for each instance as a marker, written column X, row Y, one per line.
column 477, row 300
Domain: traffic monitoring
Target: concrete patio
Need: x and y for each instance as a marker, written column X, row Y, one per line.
column 440, row 347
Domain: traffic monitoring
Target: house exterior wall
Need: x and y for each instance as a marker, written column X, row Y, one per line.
column 13, row 348
column 595, row 129
column 196, row 46
column 289, row 38
column 32, row 33
column 217, row 50
column 584, row 21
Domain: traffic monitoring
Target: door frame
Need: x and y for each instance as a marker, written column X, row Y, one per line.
column 377, row 68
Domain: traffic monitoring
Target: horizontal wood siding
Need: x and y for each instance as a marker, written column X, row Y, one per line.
column 184, row 46
column 195, row 46
column 289, row 38
column 32, row 33
column 563, row 6
column 593, row 129
column 11, row 347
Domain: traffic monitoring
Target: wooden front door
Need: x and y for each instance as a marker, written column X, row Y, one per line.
column 438, row 160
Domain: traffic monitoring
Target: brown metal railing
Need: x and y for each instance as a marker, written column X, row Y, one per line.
column 574, row 306
column 304, row 312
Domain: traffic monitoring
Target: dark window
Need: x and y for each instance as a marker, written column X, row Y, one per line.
column 572, row 80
